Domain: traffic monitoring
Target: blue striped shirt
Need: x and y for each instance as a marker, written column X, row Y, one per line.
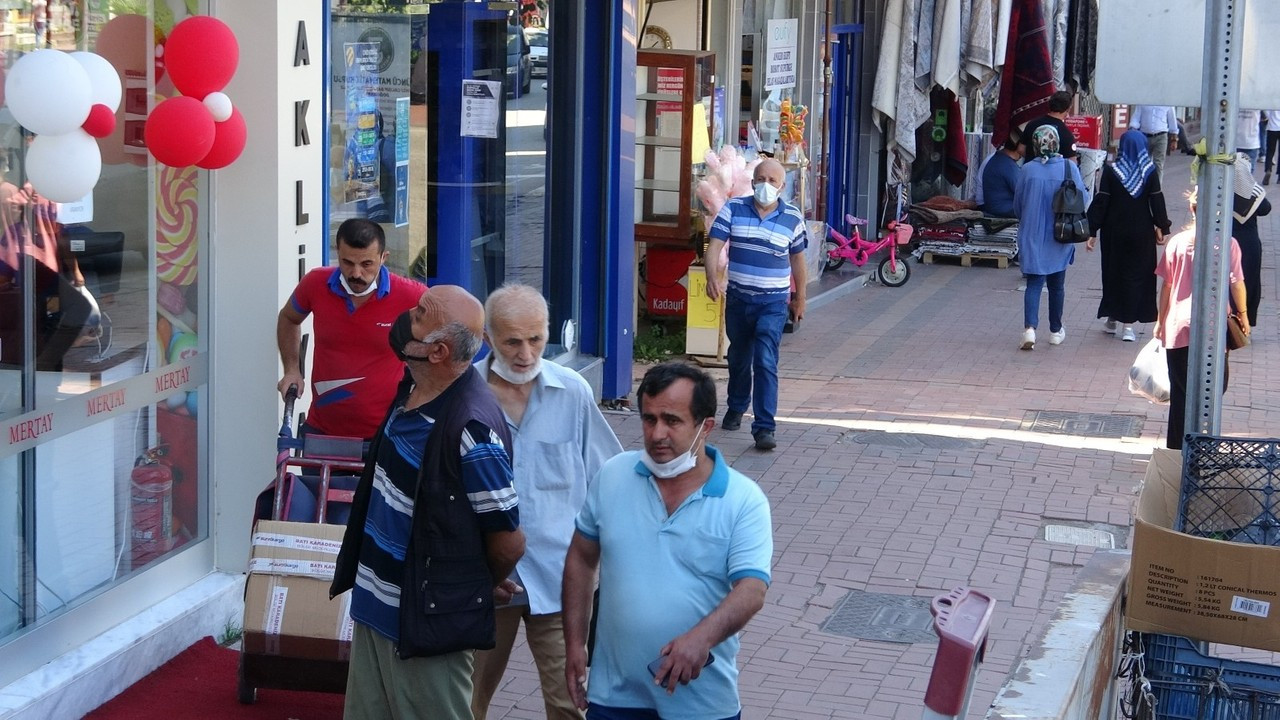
column 760, row 249
column 486, row 477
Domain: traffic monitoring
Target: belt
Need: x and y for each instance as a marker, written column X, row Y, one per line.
column 1162, row 132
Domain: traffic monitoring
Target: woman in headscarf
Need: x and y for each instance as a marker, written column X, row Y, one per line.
column 1043, row 259
column 1250, row 203
column 1173, row 327
column 1129, row 211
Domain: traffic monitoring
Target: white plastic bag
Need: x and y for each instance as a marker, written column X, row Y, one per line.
column 1149, row 376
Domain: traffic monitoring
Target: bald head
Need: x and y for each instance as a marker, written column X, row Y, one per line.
column 514, row 302
column 772, row 168
column 451, row 315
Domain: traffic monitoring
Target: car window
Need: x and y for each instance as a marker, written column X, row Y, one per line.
column 538, row 40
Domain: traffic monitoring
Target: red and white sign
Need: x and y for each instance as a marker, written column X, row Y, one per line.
column 670, row 82
column 1087, row 129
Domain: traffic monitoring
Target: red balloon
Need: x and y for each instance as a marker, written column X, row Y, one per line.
column 180, row 131
column 227, row 144
column 201, row 55
column 101, row 121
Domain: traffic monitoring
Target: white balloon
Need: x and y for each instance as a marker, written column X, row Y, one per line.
column 219, row 106
column 48, row 92
column 64, row 168
column 104, row 81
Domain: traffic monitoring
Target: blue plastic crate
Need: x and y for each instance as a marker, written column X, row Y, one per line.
column 1189, row 685
column 1230, row 489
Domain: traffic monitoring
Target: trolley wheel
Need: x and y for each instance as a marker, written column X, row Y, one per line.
column 833, row 261
column 245, row 693
column 895, row 277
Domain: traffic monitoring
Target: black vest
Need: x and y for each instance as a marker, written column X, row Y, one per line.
column 446, row 591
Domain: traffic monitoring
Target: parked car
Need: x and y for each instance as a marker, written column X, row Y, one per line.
column 519, row 67
column 537, row 38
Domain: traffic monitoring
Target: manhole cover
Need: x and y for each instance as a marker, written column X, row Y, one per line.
column 880, row 616
column 1083, row 424
column 1069, row 535
column 910, row 440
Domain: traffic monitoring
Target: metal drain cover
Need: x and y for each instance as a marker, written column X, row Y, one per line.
column 884, row 617
column 1096, row 425
column 1070, row 535
column 910, row 440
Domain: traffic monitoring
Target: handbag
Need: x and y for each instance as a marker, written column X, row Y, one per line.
column 1149, row 374
column 1070, row 221
column 1236, row 337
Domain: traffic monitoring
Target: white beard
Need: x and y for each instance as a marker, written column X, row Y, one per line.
column 508, row 373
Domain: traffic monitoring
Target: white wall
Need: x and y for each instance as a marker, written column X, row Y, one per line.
column 254, row 253
column 680, row 19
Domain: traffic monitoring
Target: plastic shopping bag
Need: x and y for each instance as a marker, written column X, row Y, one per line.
column 1149, row 376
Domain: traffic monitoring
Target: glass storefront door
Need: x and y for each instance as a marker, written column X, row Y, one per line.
column 438, row 124
column 101, row 354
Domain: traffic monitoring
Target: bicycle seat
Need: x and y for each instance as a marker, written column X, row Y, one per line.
column 855, row 220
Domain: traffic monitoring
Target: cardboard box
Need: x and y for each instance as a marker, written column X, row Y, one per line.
column 704, row 333
column 287, row 610
column 1198, row 587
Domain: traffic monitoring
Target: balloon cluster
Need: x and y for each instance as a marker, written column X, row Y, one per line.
column 66, row 100
column 792, row 119
column 200, row 127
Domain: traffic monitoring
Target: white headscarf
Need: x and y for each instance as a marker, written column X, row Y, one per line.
column 1246, row 188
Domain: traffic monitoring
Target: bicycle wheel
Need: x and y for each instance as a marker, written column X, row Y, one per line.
column 896, row 276
column 833, row 261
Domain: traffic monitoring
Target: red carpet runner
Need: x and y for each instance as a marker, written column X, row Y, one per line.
column 201, row 683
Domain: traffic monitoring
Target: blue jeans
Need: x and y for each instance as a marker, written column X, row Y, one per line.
column 602, row 712
column 1031, row 300
column 754, row 330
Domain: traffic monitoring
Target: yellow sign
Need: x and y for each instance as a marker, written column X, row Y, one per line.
column 703, row 311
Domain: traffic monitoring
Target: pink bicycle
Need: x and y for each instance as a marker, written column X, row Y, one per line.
column 893, row 271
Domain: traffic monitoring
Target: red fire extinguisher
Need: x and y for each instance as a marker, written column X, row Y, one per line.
column 151, row 507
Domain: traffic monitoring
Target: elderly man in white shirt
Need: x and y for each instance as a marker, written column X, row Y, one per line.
column 1158, row 123
column 561, row 439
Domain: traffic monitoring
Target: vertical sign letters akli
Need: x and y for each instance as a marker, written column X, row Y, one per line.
column 301, row 137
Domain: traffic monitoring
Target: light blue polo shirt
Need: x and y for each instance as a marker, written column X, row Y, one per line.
column 660, row 575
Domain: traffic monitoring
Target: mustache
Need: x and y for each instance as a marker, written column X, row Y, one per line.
column 356, row 281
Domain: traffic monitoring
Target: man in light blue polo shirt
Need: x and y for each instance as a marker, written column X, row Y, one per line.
column 766, row 237
column 682, row 544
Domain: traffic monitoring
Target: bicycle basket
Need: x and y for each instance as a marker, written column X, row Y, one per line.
column 904, row 233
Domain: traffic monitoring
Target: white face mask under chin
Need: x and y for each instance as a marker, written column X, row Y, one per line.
column 678, row 465
column 508, row 373
column 373, row 285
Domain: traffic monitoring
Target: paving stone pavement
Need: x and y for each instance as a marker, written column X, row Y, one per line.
column 937, row 358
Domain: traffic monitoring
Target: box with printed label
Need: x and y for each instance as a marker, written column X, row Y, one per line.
column 287, row 610
column 1200, row 588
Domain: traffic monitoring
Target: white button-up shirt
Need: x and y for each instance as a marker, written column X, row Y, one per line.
column 1154, row 119
column 560, row 444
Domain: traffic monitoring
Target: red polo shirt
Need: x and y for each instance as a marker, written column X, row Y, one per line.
column 355, row 373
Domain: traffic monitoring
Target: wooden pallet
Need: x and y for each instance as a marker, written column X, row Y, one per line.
column 966, row 259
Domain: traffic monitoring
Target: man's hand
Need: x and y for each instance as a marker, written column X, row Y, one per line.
column 575, row 675
column 1090, row 244
column 682, row 661
column 504, row 591
column 291, row 379
column 797, row 305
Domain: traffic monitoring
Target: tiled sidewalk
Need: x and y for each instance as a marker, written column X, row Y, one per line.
column 904, row 467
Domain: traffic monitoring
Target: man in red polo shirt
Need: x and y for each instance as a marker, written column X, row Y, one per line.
column 355, row 372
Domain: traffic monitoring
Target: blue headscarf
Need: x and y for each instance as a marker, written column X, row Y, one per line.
column 1133, row 164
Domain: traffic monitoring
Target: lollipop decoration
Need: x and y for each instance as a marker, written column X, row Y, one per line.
column 66, row 100
column 201, row 127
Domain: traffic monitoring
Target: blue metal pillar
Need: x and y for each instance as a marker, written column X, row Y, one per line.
column 845, row 125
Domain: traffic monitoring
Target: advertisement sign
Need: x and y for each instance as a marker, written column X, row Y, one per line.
column 361, row 157
column 780, row 54
column 401, row 211
column 480, row 108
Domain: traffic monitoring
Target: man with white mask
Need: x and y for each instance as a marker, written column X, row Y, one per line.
column 766, row 236
column 354, row 373
column 681, row 546
column 560, row 441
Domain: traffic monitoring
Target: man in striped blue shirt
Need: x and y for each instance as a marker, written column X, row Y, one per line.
column 766, row 237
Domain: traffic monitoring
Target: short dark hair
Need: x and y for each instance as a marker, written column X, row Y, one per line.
column 1060, row 101
column 360, row 233
column 1012, row 142
column 659, row 378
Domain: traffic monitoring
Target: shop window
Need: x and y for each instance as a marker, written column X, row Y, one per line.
column 102, row 360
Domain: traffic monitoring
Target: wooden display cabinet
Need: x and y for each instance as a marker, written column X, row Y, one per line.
column 669, row 83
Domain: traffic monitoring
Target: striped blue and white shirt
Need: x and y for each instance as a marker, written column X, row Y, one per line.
column 486, row 476
column 760, row 249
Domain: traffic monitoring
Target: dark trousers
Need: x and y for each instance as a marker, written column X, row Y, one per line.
column 1273, row 142
column 1176, row 359
column 602, row 712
